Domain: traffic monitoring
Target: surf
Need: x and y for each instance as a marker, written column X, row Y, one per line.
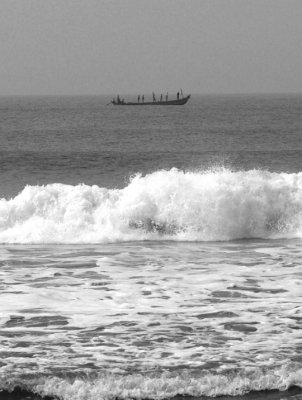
column 165, row 385
column 211, row 205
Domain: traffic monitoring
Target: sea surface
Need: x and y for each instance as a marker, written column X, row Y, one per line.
column 151, row 252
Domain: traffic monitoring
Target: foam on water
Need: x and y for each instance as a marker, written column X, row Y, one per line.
column 162, row 386
column 142, row 307
column 174, row 205
column 151, row 320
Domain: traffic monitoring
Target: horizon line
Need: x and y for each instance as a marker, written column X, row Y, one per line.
column 135, row 94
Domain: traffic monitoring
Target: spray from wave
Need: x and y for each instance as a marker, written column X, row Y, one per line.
column 174, row 205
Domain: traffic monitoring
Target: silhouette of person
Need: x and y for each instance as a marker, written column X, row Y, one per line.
column 153, row 95
column 161, row 97
column 177, row 95
column 167, row 96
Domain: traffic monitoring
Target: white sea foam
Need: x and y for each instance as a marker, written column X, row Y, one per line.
column 165, row 385
column 175, row 205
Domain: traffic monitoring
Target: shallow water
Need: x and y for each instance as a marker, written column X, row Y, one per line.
column 172, row 315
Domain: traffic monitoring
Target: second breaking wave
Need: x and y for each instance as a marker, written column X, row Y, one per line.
column 163, row 386
column 211, row 205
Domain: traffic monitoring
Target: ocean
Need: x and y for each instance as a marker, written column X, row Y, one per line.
column 151, row 252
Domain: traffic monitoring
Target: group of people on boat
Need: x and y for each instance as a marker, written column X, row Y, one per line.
column 161, row 98
column 141, row 98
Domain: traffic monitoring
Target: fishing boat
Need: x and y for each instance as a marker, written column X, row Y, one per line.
column 176, row 102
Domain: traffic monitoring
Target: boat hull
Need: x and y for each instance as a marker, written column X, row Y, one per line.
column 176, row 102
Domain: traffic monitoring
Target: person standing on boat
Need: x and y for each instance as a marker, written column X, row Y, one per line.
column 138, row 98
column 167, row 96
column 177, row 95
column 154, row 98
column 161, row 97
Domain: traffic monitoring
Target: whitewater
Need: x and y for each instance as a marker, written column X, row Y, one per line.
column 151, row 253
column 142, row 320
column 211, row 205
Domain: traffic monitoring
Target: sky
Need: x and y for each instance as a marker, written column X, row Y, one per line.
column 139, row 46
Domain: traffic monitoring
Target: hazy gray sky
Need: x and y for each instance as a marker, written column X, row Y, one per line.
column 139, row 46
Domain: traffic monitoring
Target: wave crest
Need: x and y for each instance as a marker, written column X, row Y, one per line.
column 173, row 205
column 164, row 386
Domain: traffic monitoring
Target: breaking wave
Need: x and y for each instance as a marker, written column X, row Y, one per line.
column 162, row 386
column 175, row 205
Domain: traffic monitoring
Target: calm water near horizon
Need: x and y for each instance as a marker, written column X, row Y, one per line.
column 151, row 252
